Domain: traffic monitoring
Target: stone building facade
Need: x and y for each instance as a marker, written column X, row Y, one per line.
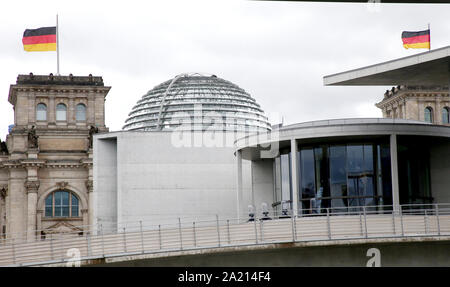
column 429, row 104
column 46, row 164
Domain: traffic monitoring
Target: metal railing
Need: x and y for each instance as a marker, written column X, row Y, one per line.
column 135, row 238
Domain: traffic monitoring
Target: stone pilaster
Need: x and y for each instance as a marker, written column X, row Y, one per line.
column 85, row 215
column 3, row 195
column 39, row 214
column 90, row 190
column 32, row 187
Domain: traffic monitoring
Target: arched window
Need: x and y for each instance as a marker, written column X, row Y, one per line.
column 41, row 112
column 61, row 112
column 429, row 114
column 61, row 203
column 445, row 115
column 81, row 112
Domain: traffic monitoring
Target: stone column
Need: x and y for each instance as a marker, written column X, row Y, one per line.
column 394, row 172
column 51, row 110
column 89, row 219
column 90, row 115
column 294, row 176
column 3, row 194
column 239, row 194
column 437, row 110
column 404, row 109
column 32, row 187
column 85, row 215
column 39, row 214
column 71, row 112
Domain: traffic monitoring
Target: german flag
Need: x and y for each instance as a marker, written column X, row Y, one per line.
column 416, row 40
column 41, row 39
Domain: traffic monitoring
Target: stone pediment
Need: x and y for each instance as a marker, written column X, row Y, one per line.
column 63, row 227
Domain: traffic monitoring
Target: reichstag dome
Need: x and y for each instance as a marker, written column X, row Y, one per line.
column 197, row 102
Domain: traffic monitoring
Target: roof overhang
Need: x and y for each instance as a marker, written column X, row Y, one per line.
column 427, row 69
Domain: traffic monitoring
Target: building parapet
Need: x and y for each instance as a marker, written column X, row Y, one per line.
column 60, row 80
column 397, row 89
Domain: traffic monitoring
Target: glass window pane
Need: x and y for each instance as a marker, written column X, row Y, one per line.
column 58, row 211
column 445, row 116
column 355, row 172
column 428, row 115
column 65, row 198
column 58, row 203
column 41, row 112
column 338, row 176
column 369, row 179
column 49, row 206
column 385, row 162
column 81, row 112
column 58, row 197
column 321, row 177
column 48, row 211
column 74, row 211
column 414, row 170
column 74, row 206
column 61, row 111
column 307, row 178
column 65, row 210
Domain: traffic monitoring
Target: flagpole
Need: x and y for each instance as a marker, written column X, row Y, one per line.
column 57, row 46
column 429, row 31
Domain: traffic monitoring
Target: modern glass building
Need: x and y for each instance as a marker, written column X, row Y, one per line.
column 343, row 164
column 338, row 174
column 198, row 103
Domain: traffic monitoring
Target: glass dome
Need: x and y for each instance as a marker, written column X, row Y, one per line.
column 198, row 103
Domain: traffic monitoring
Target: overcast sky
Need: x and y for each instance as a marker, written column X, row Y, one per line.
column 277, row 51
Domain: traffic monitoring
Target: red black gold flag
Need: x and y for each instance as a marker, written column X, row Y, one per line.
column 41, row 39
column 416, row 40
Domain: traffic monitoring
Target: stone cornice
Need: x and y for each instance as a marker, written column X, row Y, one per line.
column 57, row 85
column 27, row 163
column 60, row 90
column 86, row 162
column 62, row 164
column 412, row 94
column 389, row 101
column 32, row 163
column 57, row 132
column 51, row 79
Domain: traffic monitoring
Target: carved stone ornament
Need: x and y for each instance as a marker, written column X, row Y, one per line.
column 63, row 227
column 3, row 191
column 62, row 184
column 32, row 185
column 32, row 138
column 92, row 130
column 90, row 185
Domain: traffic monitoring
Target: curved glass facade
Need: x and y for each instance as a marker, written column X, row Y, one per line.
column 339, row 176
column 343, row 176
column 414, row 170
column 197, row 102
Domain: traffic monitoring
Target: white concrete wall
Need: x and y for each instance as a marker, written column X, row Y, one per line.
column 158, row 182
column 262, row 175
column 105, row 183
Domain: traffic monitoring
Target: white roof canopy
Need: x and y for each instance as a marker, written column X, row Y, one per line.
column 429, row 68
